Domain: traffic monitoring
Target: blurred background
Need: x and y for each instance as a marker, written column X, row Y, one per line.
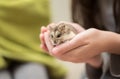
column 20, row 23
column 61, row 11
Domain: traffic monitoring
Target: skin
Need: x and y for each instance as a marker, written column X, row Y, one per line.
column 86, row 46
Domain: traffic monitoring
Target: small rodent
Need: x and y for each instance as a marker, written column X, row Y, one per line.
column 61, row 33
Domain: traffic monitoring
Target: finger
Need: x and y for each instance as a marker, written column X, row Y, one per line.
column 83, row 54
column 48, row 43
column 44, row 48
column 43, row 29
column 69, row 59
column 78, row 27
column 77, row 52
column 43, row 45
column 42, row 38
column 77, row 41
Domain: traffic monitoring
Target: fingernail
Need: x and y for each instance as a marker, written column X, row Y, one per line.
column 42, row 27
column 41, row 35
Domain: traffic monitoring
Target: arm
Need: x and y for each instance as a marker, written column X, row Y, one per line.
column 86, row 46
column 94, row 72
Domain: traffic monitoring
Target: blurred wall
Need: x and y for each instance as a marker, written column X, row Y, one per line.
column 61, row 10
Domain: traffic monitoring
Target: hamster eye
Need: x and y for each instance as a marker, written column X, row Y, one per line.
column 58, row 35
column 51, row 36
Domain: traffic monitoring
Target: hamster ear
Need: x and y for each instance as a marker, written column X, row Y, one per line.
column 50, row 28
column 61, row 26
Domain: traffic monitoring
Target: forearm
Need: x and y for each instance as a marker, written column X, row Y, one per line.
column 114, row 43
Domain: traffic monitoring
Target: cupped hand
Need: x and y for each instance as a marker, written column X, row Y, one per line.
column 85, row 46
column 44, row 38
column 44, row 35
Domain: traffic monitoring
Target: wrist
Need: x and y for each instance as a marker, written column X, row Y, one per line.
column 96, row 62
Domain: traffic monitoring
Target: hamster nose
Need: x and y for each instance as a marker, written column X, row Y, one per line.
column 55, row 41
